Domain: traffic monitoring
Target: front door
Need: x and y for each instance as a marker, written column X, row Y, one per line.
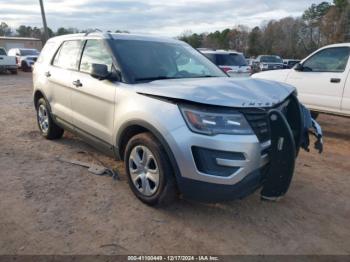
column 321, row 82
column 93, row 100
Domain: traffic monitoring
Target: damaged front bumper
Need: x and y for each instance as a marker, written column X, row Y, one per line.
column 266, row 162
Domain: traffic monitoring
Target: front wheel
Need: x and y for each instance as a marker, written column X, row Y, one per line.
column 47, row 126
column 149, row 171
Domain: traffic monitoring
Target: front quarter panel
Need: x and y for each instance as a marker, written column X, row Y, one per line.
column 132, row 107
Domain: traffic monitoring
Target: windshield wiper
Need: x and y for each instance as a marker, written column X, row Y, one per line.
column 154, row 78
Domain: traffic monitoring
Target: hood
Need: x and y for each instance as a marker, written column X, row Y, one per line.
column 277, row 75
column 220, row 91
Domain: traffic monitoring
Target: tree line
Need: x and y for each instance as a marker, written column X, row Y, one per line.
column 35, row 32
column 319, row 25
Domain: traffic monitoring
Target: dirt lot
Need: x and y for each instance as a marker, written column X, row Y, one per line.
column 49, row 207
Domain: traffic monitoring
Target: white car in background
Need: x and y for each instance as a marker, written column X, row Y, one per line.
column 322, row 79
column 231, row 62
column 7, row 63
column 25, row 57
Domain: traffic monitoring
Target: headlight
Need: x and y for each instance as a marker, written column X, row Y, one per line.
column 214, row 122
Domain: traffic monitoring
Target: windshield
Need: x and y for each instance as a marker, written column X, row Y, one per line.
column 149, row 60
column 271, row 59
column 231, row 60
column 26, row 52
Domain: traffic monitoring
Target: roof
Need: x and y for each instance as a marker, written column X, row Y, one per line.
column 220, row 52
column 19, row 38
column 122, row 36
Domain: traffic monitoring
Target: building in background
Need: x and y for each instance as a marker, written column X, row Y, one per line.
column 20, row 42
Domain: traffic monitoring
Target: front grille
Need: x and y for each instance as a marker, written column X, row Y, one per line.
column 259, row 122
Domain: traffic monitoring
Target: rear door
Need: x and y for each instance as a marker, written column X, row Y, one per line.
column 59, row 76
column 321, row 82
column 93, row 100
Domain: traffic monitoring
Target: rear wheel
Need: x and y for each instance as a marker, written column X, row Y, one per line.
column 149, row 171
column 46, row 125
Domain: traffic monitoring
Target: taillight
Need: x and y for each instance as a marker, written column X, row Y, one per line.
column 225, row 69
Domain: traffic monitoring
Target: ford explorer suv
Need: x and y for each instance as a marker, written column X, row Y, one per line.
column 7, row 63
column 322, row 80
column 232, row 63
column 179, row 123
column 25, row 57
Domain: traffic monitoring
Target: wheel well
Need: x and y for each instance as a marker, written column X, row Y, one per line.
column 23, row 63
column 128, row 133
column 37, row 96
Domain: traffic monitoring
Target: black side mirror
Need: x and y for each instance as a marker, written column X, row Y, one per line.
column 298, row 67
column 99, row 71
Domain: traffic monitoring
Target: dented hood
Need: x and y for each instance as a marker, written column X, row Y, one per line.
column 220, row 91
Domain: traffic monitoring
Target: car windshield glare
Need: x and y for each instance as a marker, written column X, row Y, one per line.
column 145, row 61
column 271, row 59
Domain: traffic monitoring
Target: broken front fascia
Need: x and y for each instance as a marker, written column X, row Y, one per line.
column 284, row 150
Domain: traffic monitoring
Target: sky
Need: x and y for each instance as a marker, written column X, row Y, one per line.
column 160, row 17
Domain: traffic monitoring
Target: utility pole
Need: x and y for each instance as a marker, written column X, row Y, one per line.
column 46, row 34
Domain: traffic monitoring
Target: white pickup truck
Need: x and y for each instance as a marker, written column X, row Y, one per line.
column 322, row 79
column 7, row 62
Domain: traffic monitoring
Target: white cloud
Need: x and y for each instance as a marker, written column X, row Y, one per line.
column 151, row 16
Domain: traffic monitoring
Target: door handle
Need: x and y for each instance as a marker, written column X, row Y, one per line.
column 335, row 80
column 77, row 83
column 47, row 74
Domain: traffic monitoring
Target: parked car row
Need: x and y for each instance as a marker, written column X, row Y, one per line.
column 18, row 58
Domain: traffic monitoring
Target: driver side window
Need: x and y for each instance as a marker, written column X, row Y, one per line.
column 95, row 53
column 332, row 59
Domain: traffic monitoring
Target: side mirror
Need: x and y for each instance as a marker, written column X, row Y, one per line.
column 298, row 67
column 99, row 71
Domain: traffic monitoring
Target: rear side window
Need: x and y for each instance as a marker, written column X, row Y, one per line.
column 45, row 52
column 95, row 53
column 231, row 60
column 68, row 54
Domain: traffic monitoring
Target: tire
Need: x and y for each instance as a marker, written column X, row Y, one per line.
column 25, row 67
column 314, row 114
column 46, row 125
column 145, row 187
column 14, row 72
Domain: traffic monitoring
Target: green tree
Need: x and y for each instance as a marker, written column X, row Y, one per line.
column 5, row 30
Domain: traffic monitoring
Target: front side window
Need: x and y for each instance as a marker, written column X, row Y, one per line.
column 2, row 51
column 67, row 56
column 328, row 60
column 152, row 60
column 95, row 53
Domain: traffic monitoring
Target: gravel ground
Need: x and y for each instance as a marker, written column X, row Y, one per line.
column 50, row 207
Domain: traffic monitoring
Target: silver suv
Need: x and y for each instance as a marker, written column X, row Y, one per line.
column 180, row 124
